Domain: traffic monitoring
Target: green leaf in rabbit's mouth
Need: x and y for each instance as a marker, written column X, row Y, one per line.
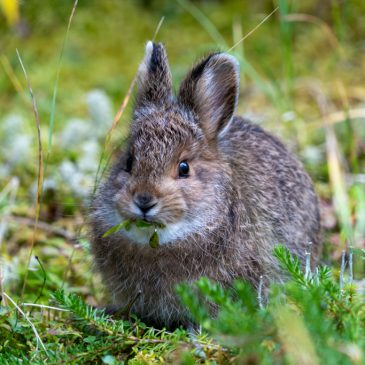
column 140, row 224
column 127, row 224
column 154, row 239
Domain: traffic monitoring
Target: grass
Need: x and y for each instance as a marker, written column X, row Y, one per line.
column 302, row 78
column 326, row 320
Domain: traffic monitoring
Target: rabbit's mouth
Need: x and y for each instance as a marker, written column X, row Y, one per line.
column 168, row 232
column 150, row 219
column 153, row 222
column 169, row 217
column 158, row 213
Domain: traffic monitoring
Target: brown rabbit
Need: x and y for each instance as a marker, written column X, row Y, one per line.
column 226, row 191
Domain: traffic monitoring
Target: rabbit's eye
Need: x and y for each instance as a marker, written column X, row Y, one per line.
column 129, row 163
column 183, row 169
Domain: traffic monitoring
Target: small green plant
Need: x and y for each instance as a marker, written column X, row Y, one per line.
column 307, row 320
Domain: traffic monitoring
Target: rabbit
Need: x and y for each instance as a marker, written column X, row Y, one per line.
column 226, row 191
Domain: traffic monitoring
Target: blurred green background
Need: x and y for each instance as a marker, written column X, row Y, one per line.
column 302, row 78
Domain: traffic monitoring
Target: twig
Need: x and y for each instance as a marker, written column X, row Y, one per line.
column 199, row 350
column 158, row 28
column 44, row 307
column 316, row 276
column 40, row 168
column 259, row 292
column 343, row 266
column 121, row 109
column 308, row 272
column 44, row 279
column 351, row 273
column 68, row 266
column 130, row 305
column 253, row 30
column 109, row 133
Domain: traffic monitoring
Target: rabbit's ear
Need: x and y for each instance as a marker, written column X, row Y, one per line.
column 211, row 90
column 155, row 84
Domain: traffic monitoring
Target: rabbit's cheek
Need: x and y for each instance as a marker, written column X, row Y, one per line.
column 171, row 215
column 123, row 203
column 178, row 231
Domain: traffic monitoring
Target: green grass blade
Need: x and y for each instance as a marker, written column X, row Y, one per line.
column 55, row 90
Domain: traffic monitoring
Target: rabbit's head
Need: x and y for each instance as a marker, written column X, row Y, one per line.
column 172, row 171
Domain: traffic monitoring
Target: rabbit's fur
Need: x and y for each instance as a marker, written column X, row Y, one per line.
column 245, row 193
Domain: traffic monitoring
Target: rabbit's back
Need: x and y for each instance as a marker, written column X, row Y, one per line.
column 274, row 188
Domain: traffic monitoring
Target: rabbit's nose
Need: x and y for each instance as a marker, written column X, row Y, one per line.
column 144, row 202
